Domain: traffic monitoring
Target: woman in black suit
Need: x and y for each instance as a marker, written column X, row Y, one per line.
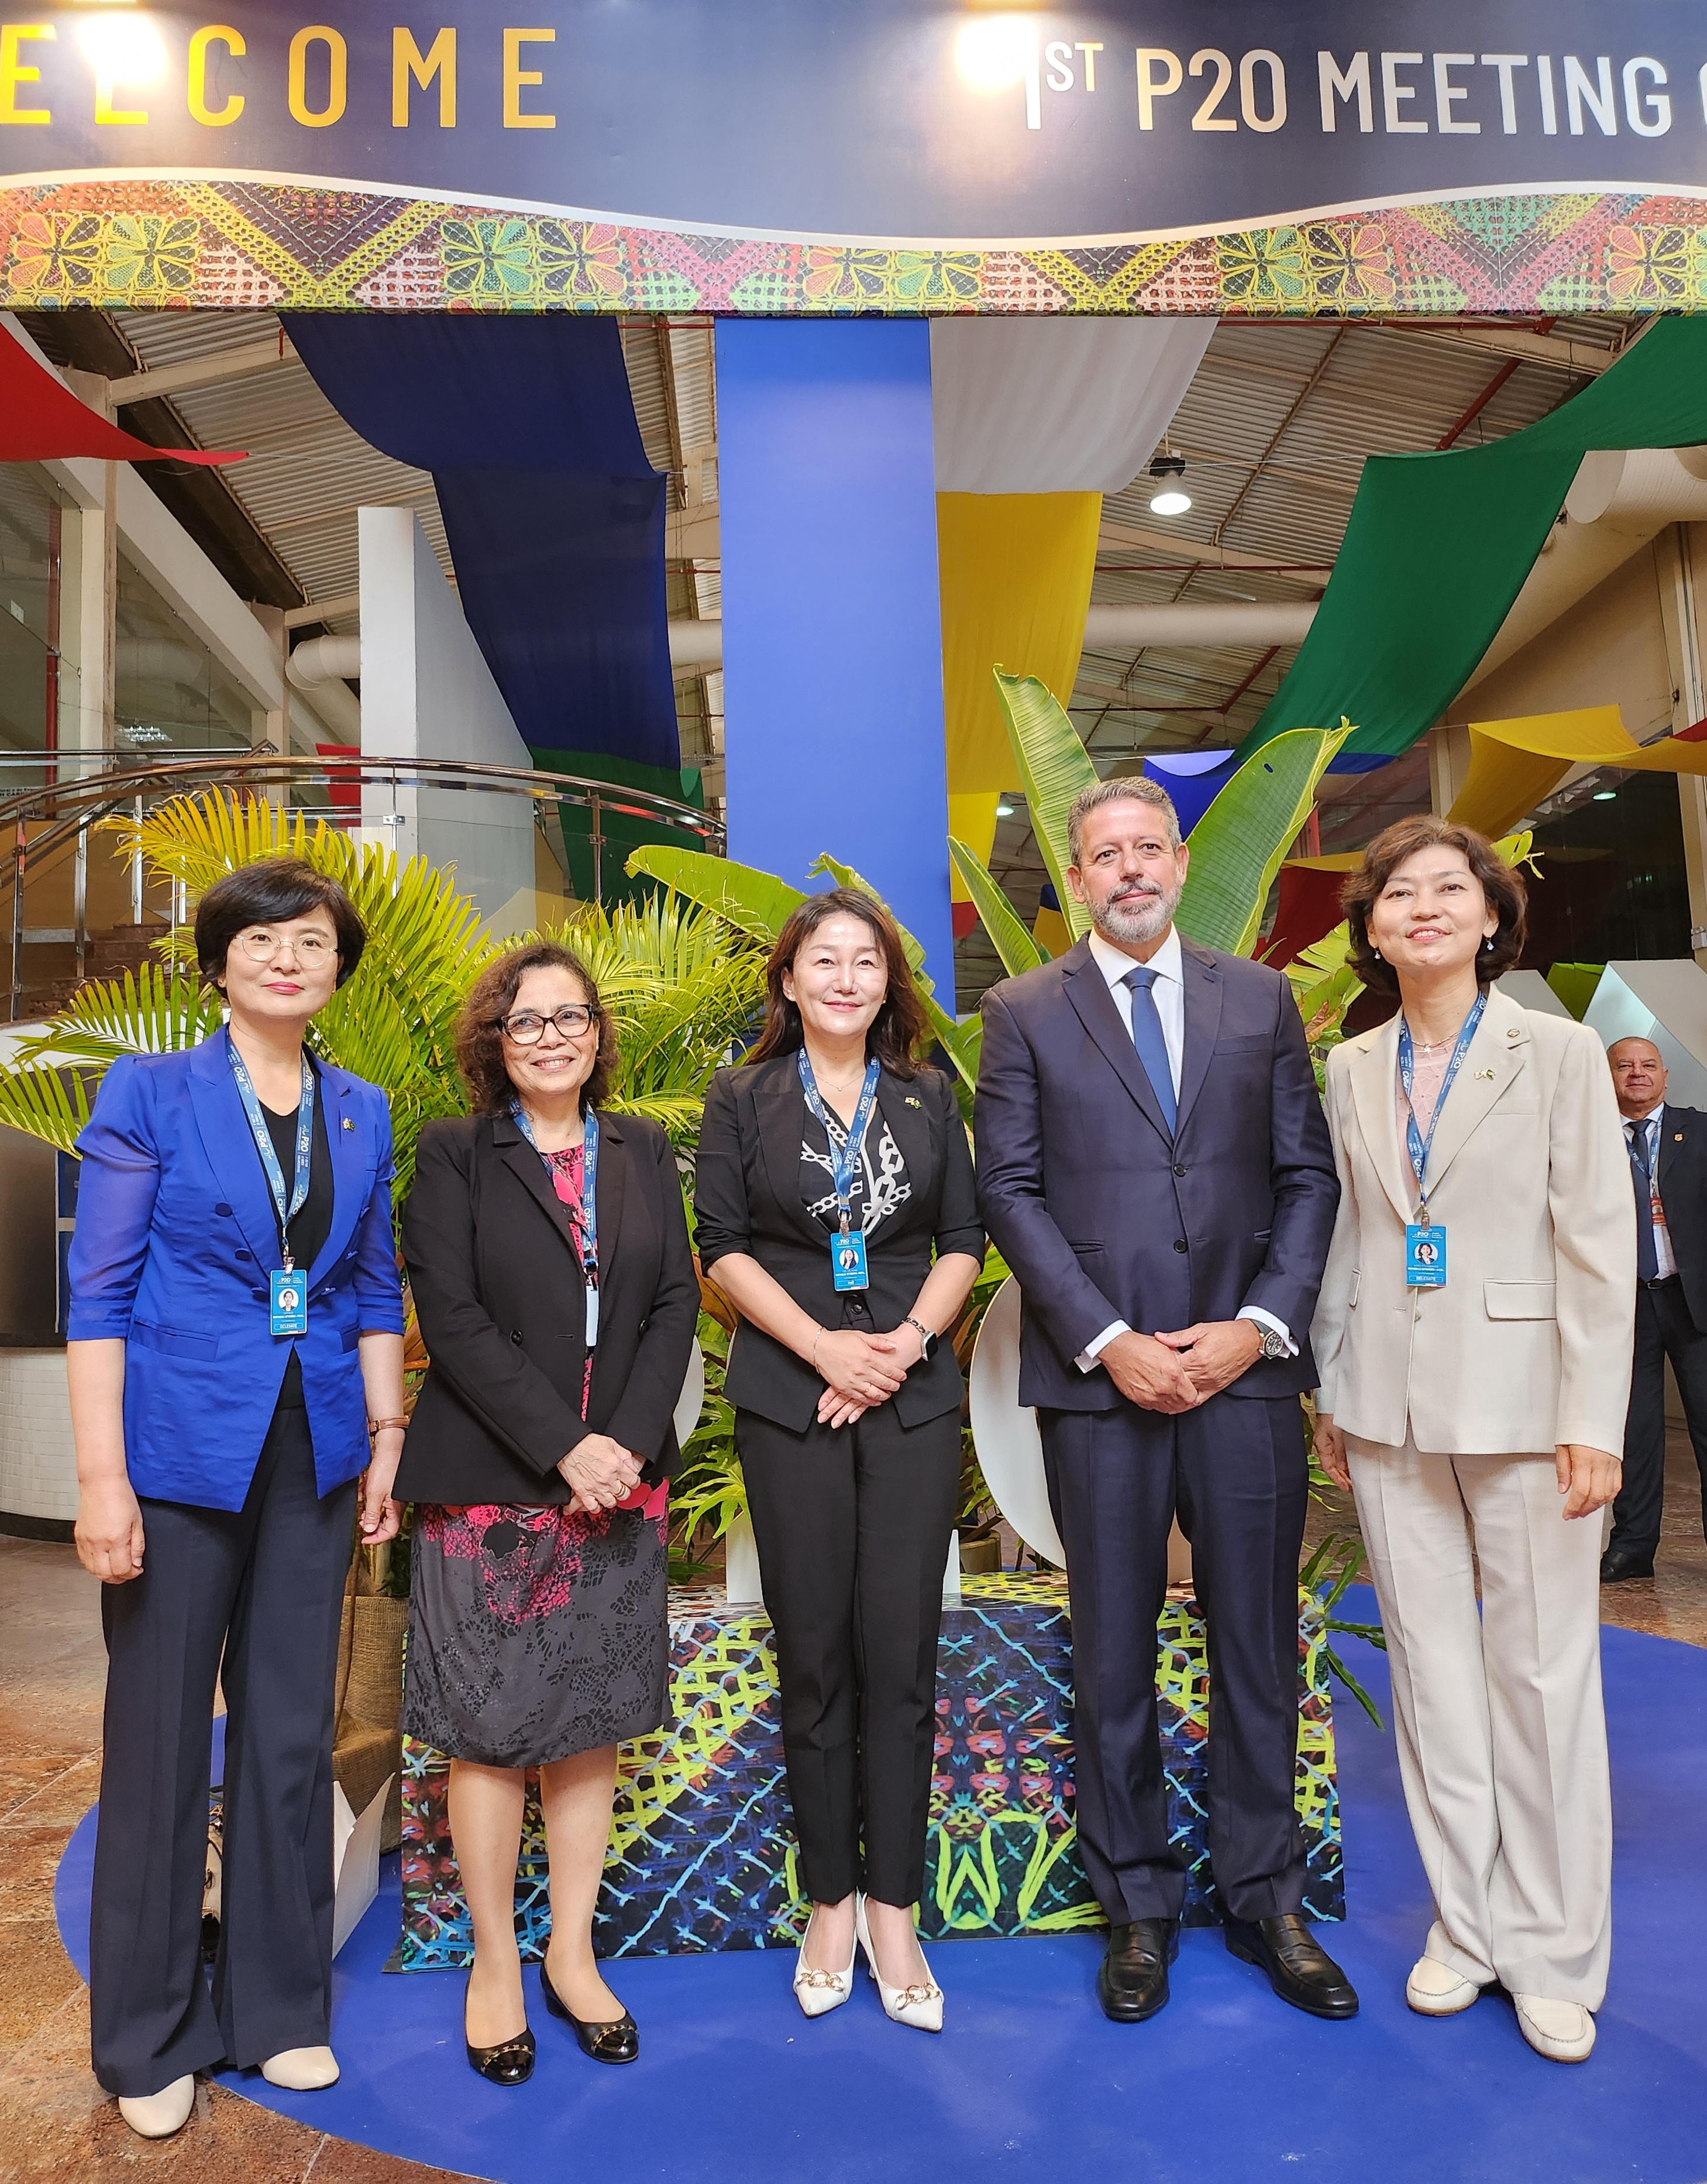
column 539, row 1456
column 830, row 1166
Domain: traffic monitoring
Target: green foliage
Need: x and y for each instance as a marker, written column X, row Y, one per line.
column 1336, row 1564
column 755, row 903
column 709, row 1493
column 1323, row 985
column 1055, row 766
column 1238, row 844
column 46, row 1090
column 1018, row 950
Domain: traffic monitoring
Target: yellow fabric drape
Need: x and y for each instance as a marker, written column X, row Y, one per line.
column 1513, row 764
column 1014, row 570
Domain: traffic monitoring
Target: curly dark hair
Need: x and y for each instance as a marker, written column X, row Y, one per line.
column 897, row 1026
column 269, row 891
column 1500, row 883
column 480, row 1041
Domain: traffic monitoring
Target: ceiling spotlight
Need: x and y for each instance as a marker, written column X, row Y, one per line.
column 1604, row 795
column 1004, row 810
column 1171, row 496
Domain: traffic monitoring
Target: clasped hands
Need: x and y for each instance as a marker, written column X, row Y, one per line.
column 1174, row 1372
column 601, row 1471
column 861, row 1370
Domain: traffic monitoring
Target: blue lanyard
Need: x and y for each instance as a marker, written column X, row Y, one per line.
column 589, row 1184
column 264, row 1146
column 1416, row 1145
column 842, row 1165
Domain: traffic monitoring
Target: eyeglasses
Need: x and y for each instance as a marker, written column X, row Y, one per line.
column 311, row 949
column 527, row 1029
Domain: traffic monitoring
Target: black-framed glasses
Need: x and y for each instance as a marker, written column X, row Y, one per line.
column 527, row 1026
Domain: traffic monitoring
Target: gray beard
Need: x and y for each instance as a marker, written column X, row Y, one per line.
column 1146, row 919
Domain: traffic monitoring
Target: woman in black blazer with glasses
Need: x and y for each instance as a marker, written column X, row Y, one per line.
column 837, row 1210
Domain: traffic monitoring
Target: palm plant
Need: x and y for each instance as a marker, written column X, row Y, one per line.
column 680, row 983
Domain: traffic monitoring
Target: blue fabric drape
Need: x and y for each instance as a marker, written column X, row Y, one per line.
column 554, row 516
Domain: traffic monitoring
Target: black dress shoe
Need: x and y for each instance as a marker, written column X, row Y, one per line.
column 615, row 2042
column 509, row 2063
column 1132, row 1983
column 1300, row 1971
column 1618, row 1564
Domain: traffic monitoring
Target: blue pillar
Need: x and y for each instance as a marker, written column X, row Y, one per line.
column 832, row 644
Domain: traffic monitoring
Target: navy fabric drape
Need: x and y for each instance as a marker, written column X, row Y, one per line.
column 554, row 516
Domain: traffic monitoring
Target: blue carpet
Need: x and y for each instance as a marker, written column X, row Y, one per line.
column 1227, row 2087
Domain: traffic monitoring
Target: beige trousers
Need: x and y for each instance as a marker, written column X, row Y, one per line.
column 1501, row 1733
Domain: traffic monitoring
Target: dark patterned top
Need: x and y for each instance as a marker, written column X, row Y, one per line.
column 566, row 1170
column 881, row 1181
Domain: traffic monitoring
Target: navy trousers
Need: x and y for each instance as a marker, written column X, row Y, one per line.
column 1236, row 1472
column 262, row 1586
column 1664, row 1328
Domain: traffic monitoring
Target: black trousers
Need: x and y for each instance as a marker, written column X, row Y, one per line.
column 852, row 1527
column 1663, row 1329
column 1236, row 1472
column 262, row 1586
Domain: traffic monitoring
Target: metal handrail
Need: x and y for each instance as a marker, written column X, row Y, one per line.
column 77, row 805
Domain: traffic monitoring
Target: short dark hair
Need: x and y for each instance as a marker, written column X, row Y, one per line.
column 1501, row 883
column 897, row 1026
column 268, row 893
column 479, row 1038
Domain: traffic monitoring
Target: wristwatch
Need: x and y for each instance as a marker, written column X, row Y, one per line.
column 1274, row 1343
column 929, row 1340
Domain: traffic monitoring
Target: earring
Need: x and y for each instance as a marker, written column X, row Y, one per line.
column 1487, row 945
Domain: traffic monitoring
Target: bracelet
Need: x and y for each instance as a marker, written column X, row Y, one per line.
column 379, row 1425
column 816, row 1340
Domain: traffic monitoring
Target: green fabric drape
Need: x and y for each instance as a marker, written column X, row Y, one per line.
column 1438, row 547
column 624, row 832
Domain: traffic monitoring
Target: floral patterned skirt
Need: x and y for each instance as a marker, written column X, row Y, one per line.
column 535, row 1634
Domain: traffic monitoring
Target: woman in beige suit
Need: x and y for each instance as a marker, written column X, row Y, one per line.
column 1482, row 1412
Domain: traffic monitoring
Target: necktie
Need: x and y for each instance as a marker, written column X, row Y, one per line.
column 1641, row 1179
column 1147, row 1037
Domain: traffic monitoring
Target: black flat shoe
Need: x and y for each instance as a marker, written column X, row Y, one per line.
column 1132, row 1983
column 1618, row 1564
column 509, row 2063
column 615, row 2042
column 1299, row 1969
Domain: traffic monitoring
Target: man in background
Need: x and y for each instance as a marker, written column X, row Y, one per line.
column 1668, row 1172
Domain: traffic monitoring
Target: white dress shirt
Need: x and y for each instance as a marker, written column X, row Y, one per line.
column 1168, row 991
column 1665, row 1258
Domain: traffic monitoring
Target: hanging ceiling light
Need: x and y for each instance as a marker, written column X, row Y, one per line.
column 1170, row 497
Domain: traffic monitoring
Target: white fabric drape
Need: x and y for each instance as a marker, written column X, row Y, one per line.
column 1055, row 406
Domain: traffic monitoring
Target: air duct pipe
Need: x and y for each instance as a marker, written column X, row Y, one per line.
column 696, row 648
column 1198, row 622
column 318, row 668
column 1617, row 503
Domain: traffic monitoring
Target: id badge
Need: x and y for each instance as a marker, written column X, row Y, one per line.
column 591, row 1315
column 290, row 1301
column 1425, row 1256
column 847, row 1260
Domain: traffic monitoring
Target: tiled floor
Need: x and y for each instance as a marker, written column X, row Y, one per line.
column 54, row 2121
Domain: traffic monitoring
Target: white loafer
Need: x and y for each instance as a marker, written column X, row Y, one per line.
column 1435, row 1990
column 920, row 2005
column 1563, row 2031
column 818, row 1991
column 301, row 2070
column 157, row 2115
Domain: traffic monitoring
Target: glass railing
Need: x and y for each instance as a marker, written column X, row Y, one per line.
column 524, row 846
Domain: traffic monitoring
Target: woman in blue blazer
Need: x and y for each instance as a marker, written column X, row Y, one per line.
column 235, row 1338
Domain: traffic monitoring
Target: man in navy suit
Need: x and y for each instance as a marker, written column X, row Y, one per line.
column 1154, row 1166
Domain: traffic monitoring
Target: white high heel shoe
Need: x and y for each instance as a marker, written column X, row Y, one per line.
column 157, row 2115
column 819, row 1992
column 920, row 2005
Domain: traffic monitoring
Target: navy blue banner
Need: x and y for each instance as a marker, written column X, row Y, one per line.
column 888, row 119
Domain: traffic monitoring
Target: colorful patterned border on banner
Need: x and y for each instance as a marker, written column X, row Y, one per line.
column 246, row 246
column 702, row 1854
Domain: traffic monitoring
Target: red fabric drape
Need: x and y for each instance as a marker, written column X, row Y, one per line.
column 42, row 420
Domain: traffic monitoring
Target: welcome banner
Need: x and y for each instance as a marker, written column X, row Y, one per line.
column 885, row 153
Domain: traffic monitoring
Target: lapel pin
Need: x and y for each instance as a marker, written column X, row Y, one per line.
column 909, row 1101
column 348, row 1124
column 1487, row 1073
column 1677, row 1138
